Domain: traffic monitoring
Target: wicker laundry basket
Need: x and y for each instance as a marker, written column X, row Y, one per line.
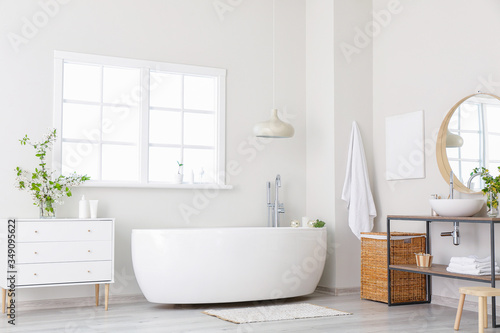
column 405, row 286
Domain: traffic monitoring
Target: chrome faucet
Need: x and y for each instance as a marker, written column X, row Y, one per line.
column 274, row 209
column 474, row 175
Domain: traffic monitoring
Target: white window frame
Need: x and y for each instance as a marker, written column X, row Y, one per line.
column 61, row 57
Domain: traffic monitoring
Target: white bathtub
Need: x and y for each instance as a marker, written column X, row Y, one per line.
column 218, row 265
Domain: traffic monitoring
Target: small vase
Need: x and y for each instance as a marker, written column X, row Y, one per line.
column 47, row 210
column 492, row 204
column 178, row 178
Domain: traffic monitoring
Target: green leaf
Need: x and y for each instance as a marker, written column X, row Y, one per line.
column 319, row 224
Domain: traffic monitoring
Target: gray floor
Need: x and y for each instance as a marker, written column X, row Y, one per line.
column 367, row 316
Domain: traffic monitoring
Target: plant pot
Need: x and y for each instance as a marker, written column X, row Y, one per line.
column 47, row 210
column 492, row 204
column 178, row 178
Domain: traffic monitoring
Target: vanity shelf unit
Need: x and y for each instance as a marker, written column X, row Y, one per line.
column 440, row 270
column 57, row 252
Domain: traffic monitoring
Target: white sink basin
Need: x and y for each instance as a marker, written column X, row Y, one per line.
column 456, row 207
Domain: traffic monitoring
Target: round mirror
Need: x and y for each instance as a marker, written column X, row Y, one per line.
column 468, row 138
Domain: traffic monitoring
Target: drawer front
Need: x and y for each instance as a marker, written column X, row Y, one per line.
column 37, row 274
column 50, row 231
column 45, row 252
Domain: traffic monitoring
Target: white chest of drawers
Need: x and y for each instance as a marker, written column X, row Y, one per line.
column 58, row 252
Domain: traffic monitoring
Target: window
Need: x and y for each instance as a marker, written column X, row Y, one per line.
column 472, row 121
column 128, row 122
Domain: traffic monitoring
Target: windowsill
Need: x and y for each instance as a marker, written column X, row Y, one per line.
column 183, row 186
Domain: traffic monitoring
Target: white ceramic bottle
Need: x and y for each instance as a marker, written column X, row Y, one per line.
column 83, row 208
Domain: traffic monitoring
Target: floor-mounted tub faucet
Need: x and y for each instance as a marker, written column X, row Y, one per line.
column 274, row 208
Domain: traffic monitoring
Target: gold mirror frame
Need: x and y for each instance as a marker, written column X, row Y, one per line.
column 442, row 157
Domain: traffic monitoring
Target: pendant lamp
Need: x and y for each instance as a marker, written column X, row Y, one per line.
column 453, row 140
column 274, row 127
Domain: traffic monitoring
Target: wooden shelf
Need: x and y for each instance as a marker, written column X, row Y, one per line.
column 471, row 219
column 440, row 270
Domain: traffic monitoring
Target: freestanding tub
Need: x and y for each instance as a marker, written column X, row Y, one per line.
column 218, row 265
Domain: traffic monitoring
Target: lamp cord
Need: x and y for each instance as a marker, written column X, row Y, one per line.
column 274, row 55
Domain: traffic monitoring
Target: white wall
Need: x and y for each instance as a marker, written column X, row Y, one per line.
column 428, row 57
column 320, row 198
column 178, row 31
column 339, row 91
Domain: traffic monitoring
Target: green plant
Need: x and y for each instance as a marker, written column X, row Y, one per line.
column 319, row 224
column 45, row 188
column 491, row 185
column 180, row 166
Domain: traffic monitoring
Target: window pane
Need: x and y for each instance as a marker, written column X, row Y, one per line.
column 81, row 121
column 199, row 93
column 469, row 116
column 165, row 127
column 199, row 129
column 200, row 161
column 120, row 124
column 121, row 85
column 452, row 152
column 82, row 82
column 82, row 158
column 163, row 163
column 470, row 149
column 166, row 90
column 494, row 147
column 493, row 168
column 120, row 163
column 493, row 118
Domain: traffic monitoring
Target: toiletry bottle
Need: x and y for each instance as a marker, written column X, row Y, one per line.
column 83, row 208
column 433, row 212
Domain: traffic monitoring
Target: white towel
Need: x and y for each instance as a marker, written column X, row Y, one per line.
column 478, row 271
column 357, row 192
column 471, row 266
column 470, row 260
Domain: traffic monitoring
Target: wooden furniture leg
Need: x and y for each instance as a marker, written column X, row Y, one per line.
column 481, row 314
column 106, row 296
column 4, row 294
column 459, row 311
column 97, row 294
column 8, row 302
column 485, row 307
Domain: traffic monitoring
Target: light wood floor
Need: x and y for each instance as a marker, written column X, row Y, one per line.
column 142, row 316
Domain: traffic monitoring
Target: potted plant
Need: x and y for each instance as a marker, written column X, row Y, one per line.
column 491, row 189
column 178, row 175
column 45, row 188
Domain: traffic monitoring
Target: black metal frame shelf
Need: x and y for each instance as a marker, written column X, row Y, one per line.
column 440, row 270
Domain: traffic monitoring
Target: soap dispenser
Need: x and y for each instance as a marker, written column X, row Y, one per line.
column 83, row 208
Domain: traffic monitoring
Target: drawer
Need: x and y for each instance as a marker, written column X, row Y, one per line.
column 44, row 252
column 50, row 231
column 72, row 272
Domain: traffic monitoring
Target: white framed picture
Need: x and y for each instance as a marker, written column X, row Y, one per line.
column 404, row 142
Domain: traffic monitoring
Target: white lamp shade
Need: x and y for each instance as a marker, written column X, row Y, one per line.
column 453, row 140
column 274, row 127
